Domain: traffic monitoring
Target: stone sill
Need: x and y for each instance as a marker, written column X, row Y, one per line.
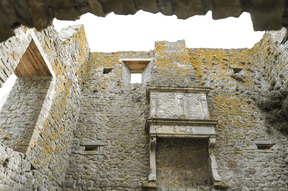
column 88, row 152
column 259, row 151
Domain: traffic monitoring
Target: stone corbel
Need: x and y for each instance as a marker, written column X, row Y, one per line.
column 152, row 152
column 204, row 106
column 211, row 143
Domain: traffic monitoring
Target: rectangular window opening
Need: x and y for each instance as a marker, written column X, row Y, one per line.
column 264, row 146
column 91, row 148
column 136, row 78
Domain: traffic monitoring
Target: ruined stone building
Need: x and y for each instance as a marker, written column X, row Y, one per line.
column 201, row 119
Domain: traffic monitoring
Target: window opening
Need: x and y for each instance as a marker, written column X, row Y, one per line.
column 26, row 99
column 107, row 70
column 264, row 146
column 136, row 78
column 136, row 70
column 91, row 148
column 236, row 70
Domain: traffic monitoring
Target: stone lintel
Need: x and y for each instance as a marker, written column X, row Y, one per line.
column 181, row 128
column 181, row 122
column 264, row 143
column 136, row 65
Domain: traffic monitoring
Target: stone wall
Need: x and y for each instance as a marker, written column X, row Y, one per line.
column 238, row 79
column 16, row 173
column 172, row 65
column 113, row 113
column 12, row 51
column 49, row 147
column 272, row 58
column 21, row 110
column 182, row 164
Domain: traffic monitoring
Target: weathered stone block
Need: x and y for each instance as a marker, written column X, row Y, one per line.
column 184, row 9
column 226, row 8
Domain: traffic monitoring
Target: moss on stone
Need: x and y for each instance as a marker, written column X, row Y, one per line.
column 275, row 107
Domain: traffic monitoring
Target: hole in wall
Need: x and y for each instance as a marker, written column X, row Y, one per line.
column 264, row 147
column 6, row 162
column 107, row 70
column 32, row 167
column 236, row 70
column 91, row 148
column 136, row 78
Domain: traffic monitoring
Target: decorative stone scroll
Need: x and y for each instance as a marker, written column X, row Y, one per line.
column 182, row 113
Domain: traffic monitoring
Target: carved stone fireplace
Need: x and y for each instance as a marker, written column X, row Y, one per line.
column 179, row 113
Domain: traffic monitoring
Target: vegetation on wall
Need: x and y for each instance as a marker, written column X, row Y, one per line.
column 275, row 107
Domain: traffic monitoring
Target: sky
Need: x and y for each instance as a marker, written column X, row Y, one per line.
column 139, row 32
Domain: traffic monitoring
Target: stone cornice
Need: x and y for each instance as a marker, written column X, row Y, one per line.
column 191, row 89
column 182, row 122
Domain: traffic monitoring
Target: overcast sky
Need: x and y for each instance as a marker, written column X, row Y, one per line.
column 139, row 32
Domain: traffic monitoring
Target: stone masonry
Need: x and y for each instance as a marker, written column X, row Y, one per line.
column 182, row 163
column 192, row 124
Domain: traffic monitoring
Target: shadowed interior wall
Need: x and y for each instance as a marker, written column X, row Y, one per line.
column 21, row 110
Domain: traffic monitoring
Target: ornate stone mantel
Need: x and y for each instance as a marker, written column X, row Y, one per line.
column 183, row 113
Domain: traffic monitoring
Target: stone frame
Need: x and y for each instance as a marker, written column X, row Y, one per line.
column 127, row 70
column 180, row 127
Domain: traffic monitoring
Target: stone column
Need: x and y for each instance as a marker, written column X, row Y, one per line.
column 152, row 152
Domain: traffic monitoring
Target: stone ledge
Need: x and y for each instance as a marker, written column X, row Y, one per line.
column 179, row 121
column 181, row 128
column 190, row 89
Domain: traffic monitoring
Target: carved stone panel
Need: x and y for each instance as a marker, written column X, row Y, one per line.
column 178, row 104
column 194, row 106
column 167, row 105
column 182, row 131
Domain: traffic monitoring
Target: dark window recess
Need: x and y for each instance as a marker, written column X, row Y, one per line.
column 107, row 70
column 91, row 148
column 236, row 70
column 264, row 146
